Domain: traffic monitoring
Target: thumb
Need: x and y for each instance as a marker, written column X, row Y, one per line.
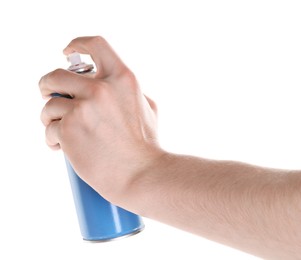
column 106, row 60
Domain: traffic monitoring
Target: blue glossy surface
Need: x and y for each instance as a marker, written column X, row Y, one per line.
column 99, row 219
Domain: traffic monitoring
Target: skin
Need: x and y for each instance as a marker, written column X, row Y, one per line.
column 108, row 130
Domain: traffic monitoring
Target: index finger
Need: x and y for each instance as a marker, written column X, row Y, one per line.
column 106, row 60
column 65, row 83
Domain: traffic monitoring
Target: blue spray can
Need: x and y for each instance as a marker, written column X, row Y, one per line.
column 99, row 220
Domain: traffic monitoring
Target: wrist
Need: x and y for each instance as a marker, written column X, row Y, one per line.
column 132, row 184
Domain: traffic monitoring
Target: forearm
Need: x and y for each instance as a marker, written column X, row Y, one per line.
column 255, row 209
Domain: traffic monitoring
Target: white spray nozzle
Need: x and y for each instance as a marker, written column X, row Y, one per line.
column 74, row 58
column 77, row 65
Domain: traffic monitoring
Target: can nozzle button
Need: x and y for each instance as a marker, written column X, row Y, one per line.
column 77, row 65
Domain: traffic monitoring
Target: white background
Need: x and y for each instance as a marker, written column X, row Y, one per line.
column 226, row 78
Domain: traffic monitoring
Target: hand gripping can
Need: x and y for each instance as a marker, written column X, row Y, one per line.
column 99, row 220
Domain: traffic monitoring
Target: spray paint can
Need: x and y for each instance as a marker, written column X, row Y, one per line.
column 99, row 220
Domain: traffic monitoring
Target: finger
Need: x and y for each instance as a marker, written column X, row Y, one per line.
column 65, row 83
column 55, row 109
column 106, row 60
column 51, row 133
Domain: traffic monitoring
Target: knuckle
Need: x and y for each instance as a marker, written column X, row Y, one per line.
column 51, row 77
column 43, row 116
column 98, row 40
column 89, row 41
column 41, row 82
column 128, row 74
column 50, row 135
column 92, row 41
column 128, row 78
column 56, row 73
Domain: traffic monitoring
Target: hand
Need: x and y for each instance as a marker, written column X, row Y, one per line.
column 108, row 129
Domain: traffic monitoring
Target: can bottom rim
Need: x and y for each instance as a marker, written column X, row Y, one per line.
column 113, row 238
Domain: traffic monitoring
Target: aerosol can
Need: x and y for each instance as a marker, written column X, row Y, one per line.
column 99, row 220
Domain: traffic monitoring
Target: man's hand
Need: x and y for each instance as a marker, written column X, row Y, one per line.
column 108, row 128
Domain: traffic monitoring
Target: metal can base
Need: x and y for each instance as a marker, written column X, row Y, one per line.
column 113, row 238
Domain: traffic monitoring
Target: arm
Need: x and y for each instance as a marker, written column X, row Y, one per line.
column 254, row 209
column 108, row 132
